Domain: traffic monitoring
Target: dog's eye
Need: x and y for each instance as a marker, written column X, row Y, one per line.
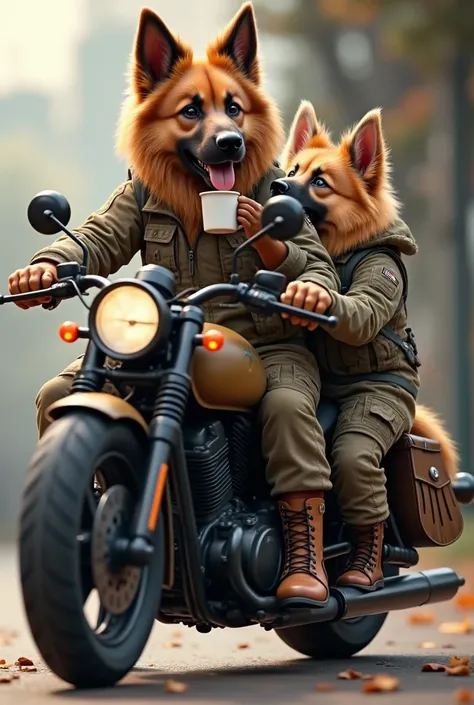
column 233, row 110
column 191, row 112
column 319, row 182
column 291, row 173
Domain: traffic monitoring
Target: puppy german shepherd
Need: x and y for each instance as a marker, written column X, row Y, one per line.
column 193, row 125
column 346, row 191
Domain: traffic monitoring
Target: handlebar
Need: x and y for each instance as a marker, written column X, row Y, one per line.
column 254, row 296
column 61, row 290
column 258, row 298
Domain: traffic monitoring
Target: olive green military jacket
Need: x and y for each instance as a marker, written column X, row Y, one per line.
column 118, row 230
column 356, row 346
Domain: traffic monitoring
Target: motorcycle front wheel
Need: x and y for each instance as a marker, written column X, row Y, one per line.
column 81, row 491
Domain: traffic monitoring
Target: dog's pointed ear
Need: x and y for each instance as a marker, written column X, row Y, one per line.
column 367, row 149
column 239, row 42
column 305, row 129
column 156, row 52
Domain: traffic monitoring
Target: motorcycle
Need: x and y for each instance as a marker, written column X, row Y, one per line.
column 155, row 499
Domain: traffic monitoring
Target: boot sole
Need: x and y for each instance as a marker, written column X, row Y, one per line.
column 363, row 588
column 303, row 602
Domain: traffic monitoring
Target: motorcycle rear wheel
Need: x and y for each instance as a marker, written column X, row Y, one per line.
column 336, row 640
column 65, row 534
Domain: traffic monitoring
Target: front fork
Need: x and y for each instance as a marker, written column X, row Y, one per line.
column 165, row 438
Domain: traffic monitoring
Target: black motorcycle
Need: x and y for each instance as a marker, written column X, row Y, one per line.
column 155, row 499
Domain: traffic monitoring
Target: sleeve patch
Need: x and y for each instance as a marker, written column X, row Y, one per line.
column 388, row 274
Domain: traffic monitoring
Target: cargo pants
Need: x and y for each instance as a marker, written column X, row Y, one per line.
column 292, row 439
column 373, row 416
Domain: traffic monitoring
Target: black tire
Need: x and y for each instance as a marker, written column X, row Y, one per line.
column 335, row 640
column 52, row 565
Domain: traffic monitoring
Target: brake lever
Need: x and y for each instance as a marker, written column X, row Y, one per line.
column 331, row 321
column 60, row 290
column 261, row 299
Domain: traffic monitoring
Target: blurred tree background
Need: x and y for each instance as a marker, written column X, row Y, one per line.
column 346, row 56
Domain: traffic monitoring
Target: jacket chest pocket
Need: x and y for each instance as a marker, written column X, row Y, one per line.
column 160, row 247
column 248, row 262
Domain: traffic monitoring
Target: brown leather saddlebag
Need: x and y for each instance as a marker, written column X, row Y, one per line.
column 420, row 494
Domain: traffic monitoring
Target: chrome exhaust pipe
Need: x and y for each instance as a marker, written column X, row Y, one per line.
column 399, row 593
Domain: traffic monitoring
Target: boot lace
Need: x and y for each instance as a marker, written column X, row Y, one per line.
column 300, row 555
column 364, row 553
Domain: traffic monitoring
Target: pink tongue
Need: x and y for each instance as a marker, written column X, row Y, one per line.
column 222, row 176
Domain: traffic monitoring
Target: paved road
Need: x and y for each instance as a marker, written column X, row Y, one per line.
column 218, row 672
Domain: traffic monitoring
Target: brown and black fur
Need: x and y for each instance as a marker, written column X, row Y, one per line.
column 357, row 205
column 164, row 78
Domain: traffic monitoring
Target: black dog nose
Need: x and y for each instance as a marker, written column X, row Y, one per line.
column 229, row 142
column 280, row 186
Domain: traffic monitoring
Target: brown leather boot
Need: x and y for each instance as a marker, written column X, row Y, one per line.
column 364, row 568
column 304, row 581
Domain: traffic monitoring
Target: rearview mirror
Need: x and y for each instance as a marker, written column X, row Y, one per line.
column 45, row 204
column 287, row 215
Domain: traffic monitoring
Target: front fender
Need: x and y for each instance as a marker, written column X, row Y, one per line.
column 110, row 406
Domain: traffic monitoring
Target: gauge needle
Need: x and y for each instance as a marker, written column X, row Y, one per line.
column 134, row 323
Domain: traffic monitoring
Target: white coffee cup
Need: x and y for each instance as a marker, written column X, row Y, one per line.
column 219, row 211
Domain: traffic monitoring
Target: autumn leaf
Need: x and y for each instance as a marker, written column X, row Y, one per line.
column 417, row 618
column 460, row 661
column 172, row 686
column 173, row 645
column 325, row 687
column 5, row 666
column 6, row 678
column 433, row 667
column 465, row 601
column 23, row 661
column 427, row 645
column 178, row 634
column 461, row 670
column 448, row 646
column 349, row 675
column 463, row 627
column 463, row 695
column 381, row 684
column 28, row 669
column 243, row 645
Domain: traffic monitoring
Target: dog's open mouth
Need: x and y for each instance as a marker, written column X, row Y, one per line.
column 220, row 176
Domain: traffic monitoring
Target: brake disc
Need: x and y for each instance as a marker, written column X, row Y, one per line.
column 117, row 586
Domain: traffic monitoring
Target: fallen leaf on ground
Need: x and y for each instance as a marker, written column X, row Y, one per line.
column 421, row 618
column 465, row 601
column 463, row 627
column 349, row 675
column 23, row 661
column 433, row 667
column 390, row 643
column 463, row 695
column 173, row 645
column 4, row 666
column 172, row 686
column 243, row 645
column 28, row 669
column 460, row 661
column 427, row 645
column 325, row 687
column 458, row 670
column 448, row 646
column 381, row 684
column 178, row 634
column 6, row 678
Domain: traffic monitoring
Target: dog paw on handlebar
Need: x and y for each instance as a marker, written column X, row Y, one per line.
column 308, row 296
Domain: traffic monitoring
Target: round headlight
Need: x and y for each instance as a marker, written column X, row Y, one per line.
column 126, row 320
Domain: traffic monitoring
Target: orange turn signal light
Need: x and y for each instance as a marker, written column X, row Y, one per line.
column 69, row 332
column 213, row 340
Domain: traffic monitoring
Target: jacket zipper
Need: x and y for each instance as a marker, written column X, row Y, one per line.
column 191, row 261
